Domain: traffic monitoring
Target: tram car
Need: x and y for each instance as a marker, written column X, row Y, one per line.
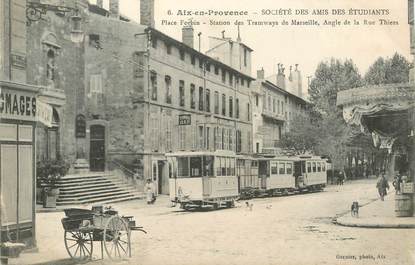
column 276, row 175
column 315, row 173
column 249, row 185
column 203, row 178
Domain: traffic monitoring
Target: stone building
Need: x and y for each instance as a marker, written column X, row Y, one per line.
column 273, row 109
column 133, row 93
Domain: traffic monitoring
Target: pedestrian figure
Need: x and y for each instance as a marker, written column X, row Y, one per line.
column 149, row 191
column 340, row 178
column 382, row 184
column 397, row 183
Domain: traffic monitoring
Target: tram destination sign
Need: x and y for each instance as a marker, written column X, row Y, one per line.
column 185, row 119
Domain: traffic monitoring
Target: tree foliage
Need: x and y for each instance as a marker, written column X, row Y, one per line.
column 388, row 71
column 330, row 78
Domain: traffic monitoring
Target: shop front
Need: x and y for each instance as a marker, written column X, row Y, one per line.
column 18, row 116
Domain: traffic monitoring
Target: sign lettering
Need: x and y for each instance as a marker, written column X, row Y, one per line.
column 185, row 119
column 17, row 105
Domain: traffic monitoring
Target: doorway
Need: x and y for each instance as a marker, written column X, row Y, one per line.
column 97, row 148
column 160, row 169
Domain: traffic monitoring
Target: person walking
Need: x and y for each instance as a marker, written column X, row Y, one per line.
column 149, row 191
column 382, row 185
column 397, row 183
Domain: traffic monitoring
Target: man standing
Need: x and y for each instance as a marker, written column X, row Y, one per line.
column 382, row 184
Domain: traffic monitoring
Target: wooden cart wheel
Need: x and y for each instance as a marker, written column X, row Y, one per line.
column 79, row 244
column 117, row 238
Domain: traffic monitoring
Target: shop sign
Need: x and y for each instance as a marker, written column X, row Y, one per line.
column 44, row 113
column 185, row 119
column 18, row 105
column 18, row 61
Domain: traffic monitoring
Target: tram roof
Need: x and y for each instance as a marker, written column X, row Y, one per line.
column 202, row 153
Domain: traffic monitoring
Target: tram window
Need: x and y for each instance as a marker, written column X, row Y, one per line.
column 228, row 167
column 183, row 167
column 274, row 168
column 308, row 167
column 314, row 167
column 195, row 167
column 318, row 167
column 281, row 168
column 223, row 166
column 208, row 166
column 289, row 168
column 217, row 166
column 323, row 166
column 233, row 166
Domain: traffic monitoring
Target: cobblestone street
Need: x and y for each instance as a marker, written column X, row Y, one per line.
column 284, row 230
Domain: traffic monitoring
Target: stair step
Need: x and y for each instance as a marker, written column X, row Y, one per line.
column 103, row 200
column 97, row 195
column 83, row 184
column 94, row 188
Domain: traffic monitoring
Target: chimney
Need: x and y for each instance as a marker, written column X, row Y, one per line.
column 114, row 9
column 260, row 74
column 281, row 76
column 147, row 13
column 188, row 36
column 100, row 3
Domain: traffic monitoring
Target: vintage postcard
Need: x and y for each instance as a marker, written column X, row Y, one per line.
column 207, row 132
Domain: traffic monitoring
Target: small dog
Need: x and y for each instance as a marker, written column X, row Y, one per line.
column 249, row 205
column 355, row 209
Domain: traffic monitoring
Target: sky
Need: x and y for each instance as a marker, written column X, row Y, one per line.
column 290, row 45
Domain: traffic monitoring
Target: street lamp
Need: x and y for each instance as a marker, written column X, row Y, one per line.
column 35, row 11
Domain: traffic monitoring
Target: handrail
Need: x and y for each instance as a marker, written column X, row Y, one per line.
column 123, row 168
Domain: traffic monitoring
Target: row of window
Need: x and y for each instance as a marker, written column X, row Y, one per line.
column 233, row 80
column 196, row 167
column 281, row 168
column 316, row 167
column 204, row 98
column 273, row 104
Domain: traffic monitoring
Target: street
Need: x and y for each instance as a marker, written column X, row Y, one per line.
column 280, row 230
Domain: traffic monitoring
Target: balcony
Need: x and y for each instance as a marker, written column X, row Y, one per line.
column 273, row 115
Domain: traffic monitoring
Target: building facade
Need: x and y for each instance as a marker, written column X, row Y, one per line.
column 273, row 110
column 134, row 93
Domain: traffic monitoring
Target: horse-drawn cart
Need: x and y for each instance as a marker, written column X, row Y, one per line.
column 83, row 227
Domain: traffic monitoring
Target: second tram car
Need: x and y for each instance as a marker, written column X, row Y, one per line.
column 203, row 179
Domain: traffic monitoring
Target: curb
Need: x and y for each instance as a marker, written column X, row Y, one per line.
column 337, row 220
column 378, row 226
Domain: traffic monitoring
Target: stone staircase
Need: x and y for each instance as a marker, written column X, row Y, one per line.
column 90, row 188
